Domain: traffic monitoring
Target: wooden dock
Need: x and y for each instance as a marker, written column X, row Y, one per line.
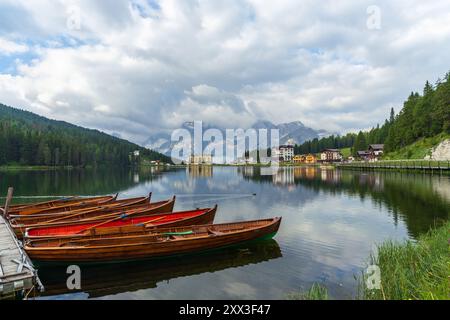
column 17, row 274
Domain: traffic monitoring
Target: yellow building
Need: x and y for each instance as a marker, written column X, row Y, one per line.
column 308, row 159
column 299, row 159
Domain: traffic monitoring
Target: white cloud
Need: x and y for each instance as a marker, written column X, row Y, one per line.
column 144, row 66
column 8, row 47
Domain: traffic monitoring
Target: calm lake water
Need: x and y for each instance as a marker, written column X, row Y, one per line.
column 331, row 222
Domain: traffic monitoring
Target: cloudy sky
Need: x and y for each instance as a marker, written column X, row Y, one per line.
column 141, row 66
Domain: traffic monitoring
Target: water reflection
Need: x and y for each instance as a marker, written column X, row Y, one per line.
column 102, row 280
column 332, row 220
column 199, row 171
column 418, row 199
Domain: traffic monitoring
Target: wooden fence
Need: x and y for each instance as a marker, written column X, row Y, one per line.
column 418, row 165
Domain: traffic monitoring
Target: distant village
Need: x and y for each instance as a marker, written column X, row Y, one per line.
column 286, row 154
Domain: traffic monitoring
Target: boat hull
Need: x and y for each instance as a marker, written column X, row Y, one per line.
column 123, row 250
column 165, row 220
column 159, row 207
column 113, row 205
column 68, row 205
column 137, row 203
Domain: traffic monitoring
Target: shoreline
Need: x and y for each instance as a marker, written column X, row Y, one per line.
column 428, row 280
column 411, row 269
column 58, row 168
column 424, row 166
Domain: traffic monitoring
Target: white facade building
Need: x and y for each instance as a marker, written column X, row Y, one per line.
column 331, row 155
column 200, row 159
column 286, row 152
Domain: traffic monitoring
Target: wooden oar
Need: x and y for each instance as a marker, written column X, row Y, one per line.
column 140, row 210
column 89, row 210
column 25, row 221
column 121, row 216
column 147, row 223
column 107, row 206
column 98, row 225
column 114, row 214
column 77, row 213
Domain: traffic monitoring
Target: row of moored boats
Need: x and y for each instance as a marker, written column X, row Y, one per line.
column 105, row 229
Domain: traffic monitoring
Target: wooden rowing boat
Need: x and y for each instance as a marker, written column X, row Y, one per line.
column 61, row 203
column 150, row 243
column 66, row 205
column 96, row 216
column 114, row 205
column 43, row 204
column 118, row 226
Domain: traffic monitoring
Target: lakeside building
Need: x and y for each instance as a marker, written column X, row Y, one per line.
column 308, row 159
column 363, row 155
column 298, row 159
column 331, row 155
column 374, row 152
column 286, row 152
column 200, row 160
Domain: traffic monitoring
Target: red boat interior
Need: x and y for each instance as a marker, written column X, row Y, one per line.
column 155, row 219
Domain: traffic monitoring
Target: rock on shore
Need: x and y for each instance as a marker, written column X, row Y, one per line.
column 440, row 152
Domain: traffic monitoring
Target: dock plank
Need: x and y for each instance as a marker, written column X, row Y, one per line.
column 12, row 279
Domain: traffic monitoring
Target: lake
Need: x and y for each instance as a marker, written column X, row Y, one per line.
column 332, row 221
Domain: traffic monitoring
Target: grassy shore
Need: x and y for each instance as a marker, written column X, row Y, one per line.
column 411, row 270
column 418, row 149
column 346, row 152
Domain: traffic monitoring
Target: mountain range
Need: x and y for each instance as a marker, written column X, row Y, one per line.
column 295, row 131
